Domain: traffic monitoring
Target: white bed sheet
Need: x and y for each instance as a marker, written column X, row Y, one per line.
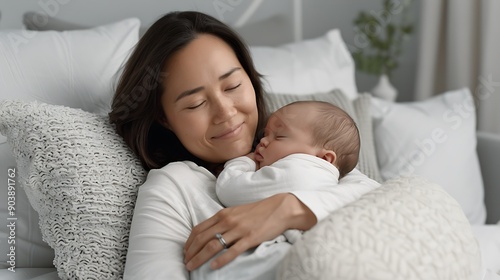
column 488, row 237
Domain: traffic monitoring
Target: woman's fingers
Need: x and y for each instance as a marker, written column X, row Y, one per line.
column 210, row 249
column 198, row 229
column 234, row 251
column 202, row 244
column 234, row 248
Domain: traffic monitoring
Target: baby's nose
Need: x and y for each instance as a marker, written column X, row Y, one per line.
column 264, row 142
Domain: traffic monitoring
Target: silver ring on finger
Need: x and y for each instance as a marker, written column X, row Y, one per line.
column 221, row 240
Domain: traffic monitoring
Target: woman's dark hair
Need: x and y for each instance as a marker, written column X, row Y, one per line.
column 136, row 110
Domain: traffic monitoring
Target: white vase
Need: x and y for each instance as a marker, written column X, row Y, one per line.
column 384, row 89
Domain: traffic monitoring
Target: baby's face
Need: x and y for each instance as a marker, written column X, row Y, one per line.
column 288, row 131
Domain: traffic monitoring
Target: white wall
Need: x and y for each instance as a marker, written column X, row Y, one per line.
column 322, row 15
column 271, row 26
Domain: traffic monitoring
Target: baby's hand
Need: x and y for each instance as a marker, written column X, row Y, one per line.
column 252, row 157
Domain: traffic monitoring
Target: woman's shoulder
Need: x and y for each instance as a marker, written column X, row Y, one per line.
column 181, row 168
column 177, row 183
column 178, row 175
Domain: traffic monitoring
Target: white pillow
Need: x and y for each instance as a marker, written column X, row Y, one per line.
column 311, row 66
column 81, row 178
column 31, row 21
column 72, row 68
column 435, row 139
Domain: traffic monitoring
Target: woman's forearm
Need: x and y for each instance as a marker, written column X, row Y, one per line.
column 297, row 214
column 324, row 201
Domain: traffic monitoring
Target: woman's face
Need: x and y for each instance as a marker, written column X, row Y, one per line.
column 209, row 100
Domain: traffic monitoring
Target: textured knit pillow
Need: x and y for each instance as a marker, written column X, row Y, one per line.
column 82, row 180
column 406, row 229
column 359, row 110
column 73, row 68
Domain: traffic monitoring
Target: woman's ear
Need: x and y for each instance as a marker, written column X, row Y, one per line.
column 329, row 156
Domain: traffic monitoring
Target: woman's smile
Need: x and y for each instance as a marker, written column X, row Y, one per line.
column 229, row 133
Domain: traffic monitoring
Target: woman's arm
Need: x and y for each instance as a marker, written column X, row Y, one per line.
column 248, row 225
column 244, row 227
column 350, row 188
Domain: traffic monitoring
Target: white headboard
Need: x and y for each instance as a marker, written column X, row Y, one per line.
column 297, row 17
column 259, row 22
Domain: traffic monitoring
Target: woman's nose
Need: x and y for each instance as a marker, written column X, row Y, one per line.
column 224, row 109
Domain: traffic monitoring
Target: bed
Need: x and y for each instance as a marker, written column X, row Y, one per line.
column 71, row 182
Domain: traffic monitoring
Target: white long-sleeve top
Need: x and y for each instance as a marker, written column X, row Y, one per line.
column 180, row 195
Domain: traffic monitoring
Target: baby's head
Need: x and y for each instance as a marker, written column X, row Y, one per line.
column 311, row 127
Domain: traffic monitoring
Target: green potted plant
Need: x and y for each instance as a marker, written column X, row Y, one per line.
column 379, row 39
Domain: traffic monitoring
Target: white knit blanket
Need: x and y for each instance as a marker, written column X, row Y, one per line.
column 406, row 229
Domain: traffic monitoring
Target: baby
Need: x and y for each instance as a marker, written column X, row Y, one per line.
column 306, row 145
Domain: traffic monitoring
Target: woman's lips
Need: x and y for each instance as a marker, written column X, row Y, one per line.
column 230, row 132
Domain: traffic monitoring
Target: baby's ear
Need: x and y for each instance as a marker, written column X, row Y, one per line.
column 329, row 156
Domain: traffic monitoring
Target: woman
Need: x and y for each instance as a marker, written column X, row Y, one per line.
column 190, row 99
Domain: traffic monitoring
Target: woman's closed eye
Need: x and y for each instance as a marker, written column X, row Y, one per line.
column 233, row 87
column 196, row 106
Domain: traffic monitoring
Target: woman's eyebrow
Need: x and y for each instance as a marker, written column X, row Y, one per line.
column 228, row 73
column 195, row 90
column 188, row 92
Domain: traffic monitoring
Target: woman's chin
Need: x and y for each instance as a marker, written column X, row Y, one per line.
column 234, row 152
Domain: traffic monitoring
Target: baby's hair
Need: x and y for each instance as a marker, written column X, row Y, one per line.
column 333, row 129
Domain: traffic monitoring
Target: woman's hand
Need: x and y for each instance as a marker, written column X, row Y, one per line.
column 244, row 227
